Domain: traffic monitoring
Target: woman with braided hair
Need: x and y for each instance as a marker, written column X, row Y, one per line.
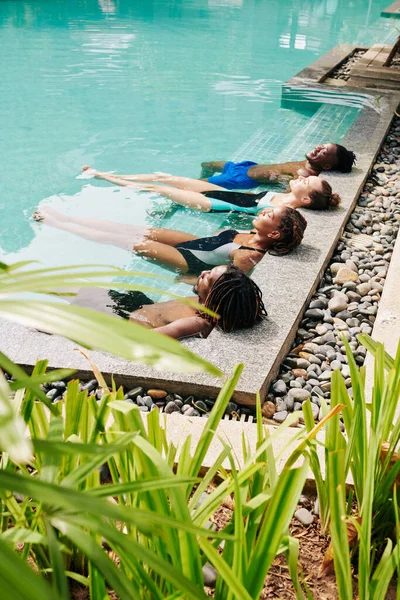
column 227, row 291
column 277, row 230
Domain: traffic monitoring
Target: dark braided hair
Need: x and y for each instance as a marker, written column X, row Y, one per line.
column 345, row 159
column 291, row 227
column 236, row 299
column 124, row 303
column 324, row 198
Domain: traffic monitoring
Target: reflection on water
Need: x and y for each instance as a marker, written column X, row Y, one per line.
column 107, row 7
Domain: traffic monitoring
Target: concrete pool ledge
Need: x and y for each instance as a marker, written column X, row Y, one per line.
column 323, row 66
column 287, row 284
column 393, row 10
column 178, row 428
column 387, row 324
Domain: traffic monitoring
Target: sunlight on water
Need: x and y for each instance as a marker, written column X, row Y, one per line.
column 152, row 85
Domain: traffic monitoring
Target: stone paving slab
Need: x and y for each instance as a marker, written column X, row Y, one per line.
column 287, row 284
column 321, row 68
column 387, row 324
column 180, row 427
column 373, row 83
column 370, row 72
column 376, row 52
column 393, row 10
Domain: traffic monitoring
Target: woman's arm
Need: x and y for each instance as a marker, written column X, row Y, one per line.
column 186, row 327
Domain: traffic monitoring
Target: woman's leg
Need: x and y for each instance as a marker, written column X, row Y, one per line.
column 165, row 255
column 116, row 179
column 119, row 239
column 209, row 168
column 183, row 183
column 107, row 176
column 135, row 233
column 194, row 200
column 97, row 224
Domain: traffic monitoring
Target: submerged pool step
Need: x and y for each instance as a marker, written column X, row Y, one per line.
column 328, row 123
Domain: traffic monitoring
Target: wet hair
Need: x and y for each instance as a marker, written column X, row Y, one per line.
column 124, row 303
column 291, row 227
column 324, row 198
column 236, row 299
column 345, row 159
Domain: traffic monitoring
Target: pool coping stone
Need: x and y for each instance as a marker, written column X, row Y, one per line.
column 322, row 67
column 393, row 10
column 387, row 324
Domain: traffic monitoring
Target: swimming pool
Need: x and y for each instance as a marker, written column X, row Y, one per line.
column 152, row 85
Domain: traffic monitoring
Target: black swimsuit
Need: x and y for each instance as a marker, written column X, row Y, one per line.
column 244, row 199
column 208, row 252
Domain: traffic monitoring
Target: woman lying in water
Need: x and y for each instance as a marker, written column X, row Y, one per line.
column 304, row 192
column 276, row 230
column 226, row 291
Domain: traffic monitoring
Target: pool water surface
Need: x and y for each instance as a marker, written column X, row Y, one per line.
column 153, row 85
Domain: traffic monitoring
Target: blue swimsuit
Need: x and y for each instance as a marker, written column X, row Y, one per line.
column 234, row 176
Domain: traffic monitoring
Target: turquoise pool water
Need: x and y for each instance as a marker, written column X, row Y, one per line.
column 152, row 85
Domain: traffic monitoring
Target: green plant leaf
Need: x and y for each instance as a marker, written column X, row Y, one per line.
column 13, row 439
column 59, row 579
column 275, row 524
column 18, row 581
column 15, row 535
column 97, row 330
column 139, row 551
column 53, row 495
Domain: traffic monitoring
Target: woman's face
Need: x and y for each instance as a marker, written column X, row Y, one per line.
column 303, row 186
column 207, row 279
column 267, row 222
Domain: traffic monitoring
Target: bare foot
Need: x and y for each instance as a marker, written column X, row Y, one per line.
column 38, row 216
column 89, row 170
column 47, row 213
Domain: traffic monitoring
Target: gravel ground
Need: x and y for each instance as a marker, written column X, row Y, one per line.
column 395, row 64
column 346, row 301
column 148, row 399
column 344, row 68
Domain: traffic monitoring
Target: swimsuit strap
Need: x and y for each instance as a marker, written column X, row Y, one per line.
column 253, row 249
column 249, row 248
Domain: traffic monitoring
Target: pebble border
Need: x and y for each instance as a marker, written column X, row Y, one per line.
column 343, row 70
column 148, row 400
column 347, row 298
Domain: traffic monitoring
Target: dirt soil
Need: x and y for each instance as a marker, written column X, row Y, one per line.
column 278, row 584
column 313, row 545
